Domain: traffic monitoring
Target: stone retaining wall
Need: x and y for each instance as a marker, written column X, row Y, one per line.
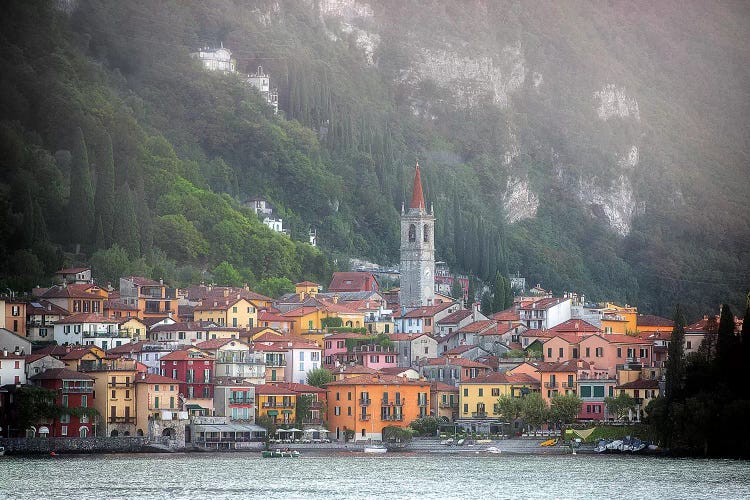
column 75, row 445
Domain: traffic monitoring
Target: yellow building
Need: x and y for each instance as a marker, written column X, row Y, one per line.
column 233, row 312
column 133, row 328
column 619, row 319
column 642, row 391
column 85, row 358
column 114, row 386
column 275, row 402
column 156, row 398
column 478, row 396
column 444, row 400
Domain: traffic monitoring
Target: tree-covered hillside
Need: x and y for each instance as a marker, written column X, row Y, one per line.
column 589, row 147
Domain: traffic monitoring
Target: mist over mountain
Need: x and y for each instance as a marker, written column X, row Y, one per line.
column 601, row 148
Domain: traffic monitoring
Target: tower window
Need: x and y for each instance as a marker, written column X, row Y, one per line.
column 426, row 233
column 412, row 233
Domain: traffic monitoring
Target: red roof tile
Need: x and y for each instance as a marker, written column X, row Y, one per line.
column 640, row 384
column 455, row 318
column 652, row 320
column 417, row 197
column 428, row 311
column 153, row 378
column 61, row 374
column 86, row 318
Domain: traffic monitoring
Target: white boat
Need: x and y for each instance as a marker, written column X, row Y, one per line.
column 375, row 449
column 493, row 449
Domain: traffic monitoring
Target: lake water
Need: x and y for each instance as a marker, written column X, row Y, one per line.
column 355, row 475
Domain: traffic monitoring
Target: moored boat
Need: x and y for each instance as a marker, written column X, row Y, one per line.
column 280, row 454
column 375, row 449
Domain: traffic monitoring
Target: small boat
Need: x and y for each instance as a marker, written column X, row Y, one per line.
column 493, row 449
column 601, row 446
column 2, row 451
column 549, row 442
column 280, row 454
column 375, row 449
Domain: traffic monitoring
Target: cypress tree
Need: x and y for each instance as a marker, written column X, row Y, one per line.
column 498, row 299
column 105, row 192
column 675, row 365
column 126, row 232
column 81, row 202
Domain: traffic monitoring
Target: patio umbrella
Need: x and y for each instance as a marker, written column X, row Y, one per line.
column 294, row 429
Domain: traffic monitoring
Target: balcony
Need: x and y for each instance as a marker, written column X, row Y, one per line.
column 241, row 401
column 271, row 404
column 638, row 401
column 316, row 405
column 566, row 385
column 364, row 401
column 479, row 414
column 421, row 402
column 393, row 418
column 365, row 417
column 121, row 420
column 79, row 390
column 449, row 405
column 121, row 384
column 550, row 385
column 275, row 363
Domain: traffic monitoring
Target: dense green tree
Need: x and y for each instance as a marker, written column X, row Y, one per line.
column 675, row 365
column 509, row 408
column 108, row 266
column 225, row 274
column 457, row 291
column 534, row 410
column 564, row 408
column 125, row 233
column 302, row 408
column 620, row 406
column 319, row 377
column 104, row 200
column 498, row 293
column 274, row 287
column 425, row 426
column 81, row 202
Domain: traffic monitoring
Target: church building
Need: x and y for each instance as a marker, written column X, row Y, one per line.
column 417, row 251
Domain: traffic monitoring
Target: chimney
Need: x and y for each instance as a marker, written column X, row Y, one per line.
column 429, row 302
column 5, row 353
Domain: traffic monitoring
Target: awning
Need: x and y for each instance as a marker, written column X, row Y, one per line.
column 286, row 411
column 273, row 413
column 193, row 407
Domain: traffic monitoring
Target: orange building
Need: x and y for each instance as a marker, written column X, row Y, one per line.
column 368, row 403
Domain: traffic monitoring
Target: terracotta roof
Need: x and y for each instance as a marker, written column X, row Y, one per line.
column 570, row 365
column 86, row 318
column 376, row 379
column 652, row 320
column 298, row 388
column 306, row 284
column 128, row 348
column 30, row 358
column 152, row 321
column 217, row 303
column 640, row 384
column 184, row 355
column 534, row 332
column 394, row 370
column 425, row 311
column 299, row 312
column 69, row 291
column 504, row 378
column 12, row 355
column 575, row 325
column 351, row 282
column 54, row 350
column 543, row 304
column 191, row 326
column 459, row 350
column 349, row 335
column 153, row 378
column 73, row 270
column 61, row 374
column 45, row 307
column 404, row 337
column 491, row 361
column 269, row 347
column 217, row 343
column 201, row 292
column 617, row 338
column 78, row 353
column 442, row 387
column 462, row 362
column 273, row 390
column 570, row 338
column 507, row 315
column 357, row 369
column 479, row 326
column 455, row 318
column 417, row 197
column 272, row 317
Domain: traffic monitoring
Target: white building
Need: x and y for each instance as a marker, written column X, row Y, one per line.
column 216, row 59
column 275, row 224
column 545, row 313
column 12, row 368
column 89, row 329
column 262, row 82
column 148, row 353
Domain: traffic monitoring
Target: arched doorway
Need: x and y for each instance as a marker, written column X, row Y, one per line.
column 30, row 432
column 43, row 431
column 83, row 432
column 168, row 433
column 114, row 433
column 139, row 432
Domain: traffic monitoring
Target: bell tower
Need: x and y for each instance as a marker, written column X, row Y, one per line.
column 417, row 250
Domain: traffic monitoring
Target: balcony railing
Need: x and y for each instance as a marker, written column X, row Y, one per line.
column 479, row 414
column 364, row 401
column 276, row 363
column 316, row 405
column 77, row 389
column 121, row 384
column 392, row 418
column 421, row 402
column 449, row 405
column 392, row 402
column 550, row 385
column 567, row 385
column 241, row 401
column 270, row 404
column 365, row 417
column 121, row 420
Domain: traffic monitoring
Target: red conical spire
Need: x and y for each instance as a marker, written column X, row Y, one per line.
column 417, row 198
